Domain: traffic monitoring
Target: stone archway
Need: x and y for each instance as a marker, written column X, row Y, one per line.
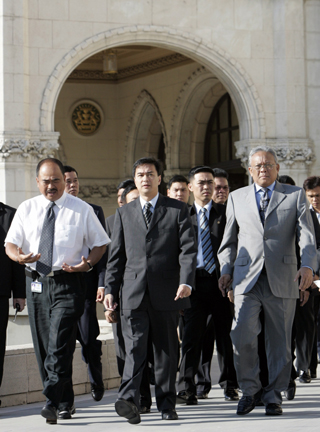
column 228, row 70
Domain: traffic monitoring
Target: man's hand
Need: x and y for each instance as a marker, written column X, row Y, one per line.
column 183, row 291
column 305, row 273
column 231, row 296
column 26, row 259
column 111, row 316
column 21, row 302
column 108, row 302
column 82, row 267
column 100, row 295
column 224, row 283
column 304, row 297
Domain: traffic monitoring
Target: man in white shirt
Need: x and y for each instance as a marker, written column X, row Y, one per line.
column 51, row 234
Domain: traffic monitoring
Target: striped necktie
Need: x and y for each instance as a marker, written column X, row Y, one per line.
column 206, row 245
column 44, row 265
column 147, row 213
column 264, row 202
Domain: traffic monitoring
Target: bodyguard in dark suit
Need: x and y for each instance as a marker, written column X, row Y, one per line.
column 88, row 326
column 153, row 256
column 12, row 281
column 206, row 299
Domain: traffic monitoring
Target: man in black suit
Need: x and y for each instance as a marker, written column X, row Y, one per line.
column 153, row 256
column 88, row 326
column 209, row 221
column 12, row 281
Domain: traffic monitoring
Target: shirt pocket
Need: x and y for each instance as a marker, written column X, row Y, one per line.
column 65, row 235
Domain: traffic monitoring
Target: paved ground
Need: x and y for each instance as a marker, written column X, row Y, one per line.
column 213, row 414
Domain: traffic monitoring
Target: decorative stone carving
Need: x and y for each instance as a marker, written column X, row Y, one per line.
column 96, row 190
column 98, row 75
column 86, row 118
column 289, row 151
column 39, row 148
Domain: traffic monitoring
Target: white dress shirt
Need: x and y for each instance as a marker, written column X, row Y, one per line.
column 153, row 202
column 200, row 263
column 77, row 229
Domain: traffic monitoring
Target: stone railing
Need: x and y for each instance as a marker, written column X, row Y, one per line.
column 21, row 380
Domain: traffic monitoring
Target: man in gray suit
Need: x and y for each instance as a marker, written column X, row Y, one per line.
column 258, row 252
column 153, row 260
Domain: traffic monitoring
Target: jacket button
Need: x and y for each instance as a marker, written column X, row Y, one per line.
column 265, row 238
column 148, row 240
column 148, row 256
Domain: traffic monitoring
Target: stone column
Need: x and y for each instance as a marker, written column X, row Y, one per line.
column 19, row 155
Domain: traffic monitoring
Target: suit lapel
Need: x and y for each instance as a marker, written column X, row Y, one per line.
column 193, row 214
column 252, row 205
column 277, row 197
column 159, row 211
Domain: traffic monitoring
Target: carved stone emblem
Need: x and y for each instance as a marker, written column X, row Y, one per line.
column 86, row 118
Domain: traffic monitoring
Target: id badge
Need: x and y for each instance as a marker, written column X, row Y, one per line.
column 36, row 287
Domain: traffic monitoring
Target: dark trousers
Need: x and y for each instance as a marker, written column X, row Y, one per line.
column 88, row 331
column 206, row 300
column 161, row 326
column 305, row 328
column 4, row 315
column 53, row 316
column 314, row 355
column 204, row 368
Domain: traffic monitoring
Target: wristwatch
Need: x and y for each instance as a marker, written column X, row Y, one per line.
column 90, row 267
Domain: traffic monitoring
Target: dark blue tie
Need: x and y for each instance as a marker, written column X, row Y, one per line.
column 147, row 213
column 205, row 239
column 264, row 202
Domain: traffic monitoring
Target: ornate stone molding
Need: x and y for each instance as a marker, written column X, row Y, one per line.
column 227, row 69
column 97, row 188
column 132, row 71
column 291, row 151
column 143, row 99
column 29, row 145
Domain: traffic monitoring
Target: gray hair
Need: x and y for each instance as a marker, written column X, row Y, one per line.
column 263, row 149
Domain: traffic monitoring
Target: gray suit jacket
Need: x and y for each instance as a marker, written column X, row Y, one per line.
column 160, row 258
column 247, row 245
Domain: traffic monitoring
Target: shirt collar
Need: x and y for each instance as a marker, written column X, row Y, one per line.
column 45, row 202
column 153, row 202
column 207, row 206
column 259, row 188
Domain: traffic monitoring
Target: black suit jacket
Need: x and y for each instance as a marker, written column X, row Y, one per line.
column 12, row 274
column 109, row 229
column 158, row 259
column 217, row 223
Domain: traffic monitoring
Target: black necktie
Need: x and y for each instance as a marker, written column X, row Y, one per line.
column 264, row 202
column 147, row 213
column 44, row 265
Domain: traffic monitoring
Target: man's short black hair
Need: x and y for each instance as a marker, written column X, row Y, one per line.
column 53, row 160
column 199, row 169
column 178, row 178
column 218, row 172
column 68, row 168
column 144, row 161
column 124, row 184
column 311, row 182
column 128, row 189
column 285, row 179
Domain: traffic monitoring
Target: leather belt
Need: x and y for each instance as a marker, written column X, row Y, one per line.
column 34, row 274
column 201, row 272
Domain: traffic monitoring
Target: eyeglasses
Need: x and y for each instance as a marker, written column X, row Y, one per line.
column 266, row 166
column 225, row 188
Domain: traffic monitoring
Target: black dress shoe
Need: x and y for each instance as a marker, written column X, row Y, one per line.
column 66, row 413
column 313, row 374
column 97, row 392
column 273, row 409
column 129, row 410
column 246, row 404
column 202, row 395
column 186, row 397
column 291, row 390
column 231, row 394
column 49, row 412
column 144, row 410
column 304, row 377
column 169, row 415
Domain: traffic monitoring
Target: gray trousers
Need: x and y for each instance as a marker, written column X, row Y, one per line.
column 279, row 315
